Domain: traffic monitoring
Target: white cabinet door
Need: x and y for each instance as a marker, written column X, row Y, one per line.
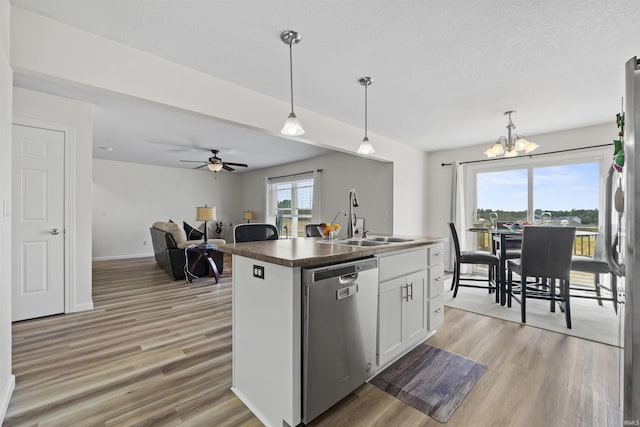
column 390, row 319
column 416, row 318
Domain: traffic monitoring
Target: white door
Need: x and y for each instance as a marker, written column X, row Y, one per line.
column 38, row 220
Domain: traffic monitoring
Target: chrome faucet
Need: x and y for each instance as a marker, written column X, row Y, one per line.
column 353, row 203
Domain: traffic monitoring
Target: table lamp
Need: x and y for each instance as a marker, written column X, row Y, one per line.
column 248, row 215
column 205, row 213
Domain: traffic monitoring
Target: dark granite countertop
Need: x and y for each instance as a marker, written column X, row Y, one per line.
column 306, row 252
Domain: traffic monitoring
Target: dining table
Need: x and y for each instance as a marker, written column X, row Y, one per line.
column 500, row 238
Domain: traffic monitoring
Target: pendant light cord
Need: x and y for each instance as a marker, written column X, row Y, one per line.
column 365, row 110
column 291, row 72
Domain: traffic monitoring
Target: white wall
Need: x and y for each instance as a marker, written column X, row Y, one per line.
column 372, row 179
column 7, row 380
column 79, row 116
column 49, row 49
column 129, row 197
column 439, row 177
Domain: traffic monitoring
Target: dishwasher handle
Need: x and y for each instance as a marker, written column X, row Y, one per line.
column 348, row 278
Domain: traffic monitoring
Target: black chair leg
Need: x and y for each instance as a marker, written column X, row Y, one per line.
column 523, row 298
column 567, row 304
column 456, row 279
column 494, row 271
column 552, row 291
column 509, row 287
column 453, row 282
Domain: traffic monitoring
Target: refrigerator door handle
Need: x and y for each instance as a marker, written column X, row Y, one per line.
column 616, row 267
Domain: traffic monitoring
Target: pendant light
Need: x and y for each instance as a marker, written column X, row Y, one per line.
column 365, row 146
column 292, row 126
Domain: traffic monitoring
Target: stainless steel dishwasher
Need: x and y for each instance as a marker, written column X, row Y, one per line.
column 340, row 306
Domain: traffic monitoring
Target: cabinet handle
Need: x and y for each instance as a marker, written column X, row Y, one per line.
column 438, row 254
column 411, row 290
column 439, row 310
column 406, row 297
column 439, row 279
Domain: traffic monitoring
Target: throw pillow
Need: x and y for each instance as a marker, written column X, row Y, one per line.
column 192, row 233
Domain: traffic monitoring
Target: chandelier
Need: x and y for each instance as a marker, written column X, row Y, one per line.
column 512, row 144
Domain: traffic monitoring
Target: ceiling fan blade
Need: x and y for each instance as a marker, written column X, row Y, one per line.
column 200, row 167
column 242, row 165
column 227, row 168
column 194, row 161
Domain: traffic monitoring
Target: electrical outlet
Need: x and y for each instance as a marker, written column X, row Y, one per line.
column 258, row 271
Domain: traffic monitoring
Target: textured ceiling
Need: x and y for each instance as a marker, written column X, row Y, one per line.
column 444, row 71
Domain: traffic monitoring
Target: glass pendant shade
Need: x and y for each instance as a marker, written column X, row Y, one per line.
column 292, row 126
column 520, row 143
column 366, row 147
column 511, row 153
column 530, row 146
column 214, row 167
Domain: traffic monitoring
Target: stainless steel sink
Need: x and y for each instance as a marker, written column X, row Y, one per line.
column 369, row 241
column 389, row 239
column 356, row 242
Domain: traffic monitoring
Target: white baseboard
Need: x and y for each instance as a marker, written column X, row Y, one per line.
column 6, row 397
column 111, row 258
column 82, row 307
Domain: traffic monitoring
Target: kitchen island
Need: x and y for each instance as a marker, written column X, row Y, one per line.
column 268, row 311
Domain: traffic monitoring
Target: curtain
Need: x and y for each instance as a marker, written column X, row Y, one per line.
column 317, row 195
column 457, row 213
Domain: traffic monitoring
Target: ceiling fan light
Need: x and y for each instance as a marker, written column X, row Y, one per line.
column 366, row 147
column 214, row 167
column 292, row 126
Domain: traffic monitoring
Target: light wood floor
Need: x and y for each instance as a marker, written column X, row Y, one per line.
column 158, row 352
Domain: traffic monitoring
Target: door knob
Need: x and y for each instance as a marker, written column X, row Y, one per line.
column 55, row 231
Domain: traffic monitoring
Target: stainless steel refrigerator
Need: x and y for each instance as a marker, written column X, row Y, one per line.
column 627, row 263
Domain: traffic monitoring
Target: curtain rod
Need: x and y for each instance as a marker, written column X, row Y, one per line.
column 532, row 155
column 294, row 174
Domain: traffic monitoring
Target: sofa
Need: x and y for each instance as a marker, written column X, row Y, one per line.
column 169, row 242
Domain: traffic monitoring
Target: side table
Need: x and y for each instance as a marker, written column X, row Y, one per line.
column 197, row 254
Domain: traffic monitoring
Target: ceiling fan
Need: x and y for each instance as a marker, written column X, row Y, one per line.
column 215, row 163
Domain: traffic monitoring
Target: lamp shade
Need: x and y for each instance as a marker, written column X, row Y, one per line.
column 292, row 126
column 214, row 167
column 248, row 215
column 366, row 147
column 206, row 213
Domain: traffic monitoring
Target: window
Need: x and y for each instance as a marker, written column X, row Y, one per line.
column 570, row 192
column 568, row 189
column 291, row 204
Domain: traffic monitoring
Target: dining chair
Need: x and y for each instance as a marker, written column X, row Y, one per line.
column 254, row 231
column 474, row 257
column 596, row 266
column 546, row 254
column 312, row 230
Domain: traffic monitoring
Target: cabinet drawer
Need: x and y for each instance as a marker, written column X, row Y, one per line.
column 436, row 312
column 435, row 277
column 435, row 254
column 401, row 263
